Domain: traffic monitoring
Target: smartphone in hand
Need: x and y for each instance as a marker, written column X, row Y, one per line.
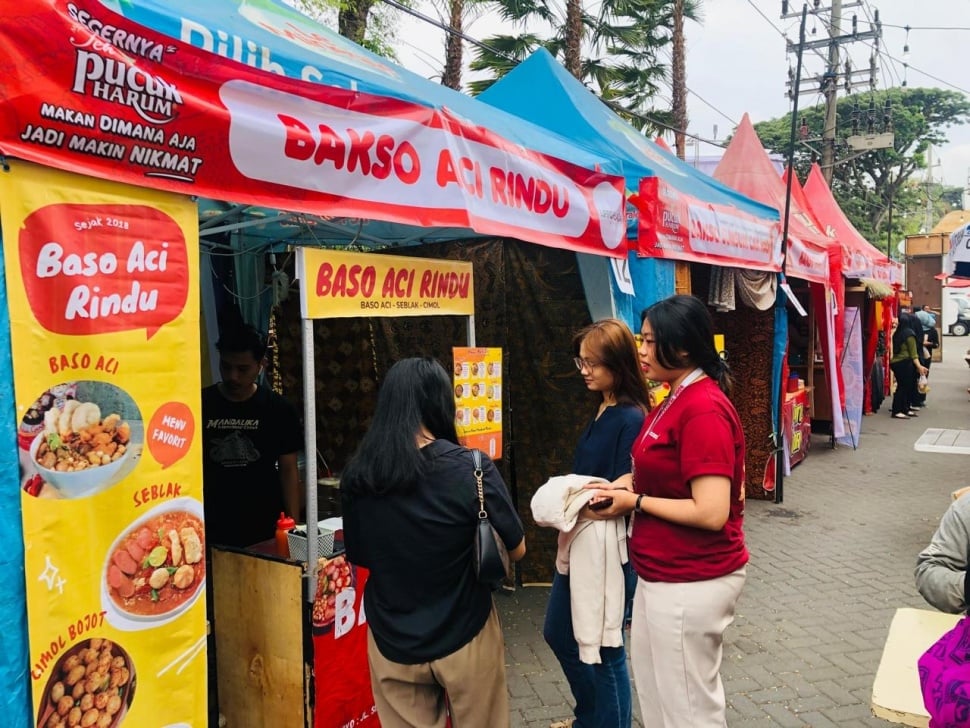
column 600, row 505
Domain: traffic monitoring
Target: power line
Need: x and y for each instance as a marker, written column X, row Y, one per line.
column 925, row 27
column 451, row 31
column 700, row 98
column 768, row 20
column 515, row 61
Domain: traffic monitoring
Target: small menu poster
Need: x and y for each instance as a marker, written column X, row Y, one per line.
column 478, row 398
column 104, row 330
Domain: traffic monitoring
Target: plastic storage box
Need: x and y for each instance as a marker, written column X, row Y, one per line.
column 330, row 539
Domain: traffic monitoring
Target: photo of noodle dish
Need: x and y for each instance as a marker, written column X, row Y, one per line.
column 92, row 684
column 334, row 575
column 81, row 443
column 155, row 569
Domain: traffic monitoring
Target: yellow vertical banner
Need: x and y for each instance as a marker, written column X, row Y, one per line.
column 104, row 318
column 478, row 398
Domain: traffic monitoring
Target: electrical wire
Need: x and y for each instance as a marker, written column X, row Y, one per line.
column 925, row 27
column 768, row 20
column 696, row 95
column 449, row 30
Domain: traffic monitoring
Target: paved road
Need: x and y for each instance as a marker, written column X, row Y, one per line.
column 829, row 566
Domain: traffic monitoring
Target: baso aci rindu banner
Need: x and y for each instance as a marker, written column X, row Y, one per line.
column 111, row 98
column 104, row 328
column 337, row 284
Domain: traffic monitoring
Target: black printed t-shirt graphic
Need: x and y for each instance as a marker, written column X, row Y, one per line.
column 241, row 443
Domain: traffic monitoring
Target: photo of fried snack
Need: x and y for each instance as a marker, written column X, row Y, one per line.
column 83, row 443
column 91, row 685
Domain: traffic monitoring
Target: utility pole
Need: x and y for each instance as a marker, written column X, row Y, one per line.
column 835, row 72
column 928, row 220
column 831, row 88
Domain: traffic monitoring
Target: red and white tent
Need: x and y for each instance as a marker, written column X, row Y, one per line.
column 860, row 258
column 810, row 254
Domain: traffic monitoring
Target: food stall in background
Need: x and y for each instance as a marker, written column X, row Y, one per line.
column 277, row 605
column 104, row 328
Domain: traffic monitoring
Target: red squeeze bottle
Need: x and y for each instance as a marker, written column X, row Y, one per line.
column 284, row 524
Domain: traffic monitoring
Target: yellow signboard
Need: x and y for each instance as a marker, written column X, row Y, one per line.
column 103, row 299
column 478, row 398
column 337, row 284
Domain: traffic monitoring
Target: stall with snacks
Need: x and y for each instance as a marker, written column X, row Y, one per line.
column 131, row 123
column 259, row 591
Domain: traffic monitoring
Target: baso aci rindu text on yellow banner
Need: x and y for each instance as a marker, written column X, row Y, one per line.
column 337, row 284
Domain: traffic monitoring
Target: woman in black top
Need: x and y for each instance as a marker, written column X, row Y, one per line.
column 435, row 646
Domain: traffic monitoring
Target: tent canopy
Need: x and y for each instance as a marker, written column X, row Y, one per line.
column 291, row 117
column 860, row 258
column 571, row 110
column 672, row 199
column 746, row 167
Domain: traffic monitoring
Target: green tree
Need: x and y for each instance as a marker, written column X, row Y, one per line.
column 366, row 22
column 867, row 184
column 616, row 52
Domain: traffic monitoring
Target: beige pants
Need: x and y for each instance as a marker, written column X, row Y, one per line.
column 469, row 685
column 675, row 649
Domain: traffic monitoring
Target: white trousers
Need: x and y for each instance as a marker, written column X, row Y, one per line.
column 676, row 647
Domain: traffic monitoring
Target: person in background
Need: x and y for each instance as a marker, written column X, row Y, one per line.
column 931, row 340
column 435, row 646
column 687, row 541
column 942, row 575
column 250, row 440
column 905, row 364
column 606, row 357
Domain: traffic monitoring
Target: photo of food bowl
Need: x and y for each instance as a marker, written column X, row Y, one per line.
column 333, row 576
column 155, row 569
column 92, row 684
column 84, row 444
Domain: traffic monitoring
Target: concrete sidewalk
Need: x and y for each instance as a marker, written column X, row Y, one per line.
column 829, row 566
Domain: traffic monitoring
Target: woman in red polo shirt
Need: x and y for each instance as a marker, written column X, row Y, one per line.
column 687, row 543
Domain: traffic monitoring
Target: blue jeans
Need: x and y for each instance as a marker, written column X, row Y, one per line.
column 602, row 692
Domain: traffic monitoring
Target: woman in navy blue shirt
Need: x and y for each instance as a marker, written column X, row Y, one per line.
column 606, row 357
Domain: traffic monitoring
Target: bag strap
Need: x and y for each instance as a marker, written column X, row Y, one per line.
column 477, row 463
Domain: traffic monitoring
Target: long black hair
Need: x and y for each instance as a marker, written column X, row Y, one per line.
column 684, row 333
column 415, row 392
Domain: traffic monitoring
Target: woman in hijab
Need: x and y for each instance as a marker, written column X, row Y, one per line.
column 905, row 364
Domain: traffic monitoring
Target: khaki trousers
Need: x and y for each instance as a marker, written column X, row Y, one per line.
column 469, row 685
column 676, row 647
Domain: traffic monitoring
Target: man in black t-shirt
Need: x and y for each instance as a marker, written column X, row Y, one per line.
column 250, row 440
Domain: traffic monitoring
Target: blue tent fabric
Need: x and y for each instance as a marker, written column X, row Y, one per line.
column 13, row 595
column 570, row 109
column 653, row 279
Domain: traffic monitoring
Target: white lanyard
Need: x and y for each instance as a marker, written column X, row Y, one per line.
column 688, row 380
column 665, row 405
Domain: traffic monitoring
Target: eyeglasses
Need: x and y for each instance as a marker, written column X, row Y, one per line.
column 585, row 363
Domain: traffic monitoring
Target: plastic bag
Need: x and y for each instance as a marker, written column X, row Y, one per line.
column 922, row 384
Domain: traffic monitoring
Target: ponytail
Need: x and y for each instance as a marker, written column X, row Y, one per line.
column 720, row 372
